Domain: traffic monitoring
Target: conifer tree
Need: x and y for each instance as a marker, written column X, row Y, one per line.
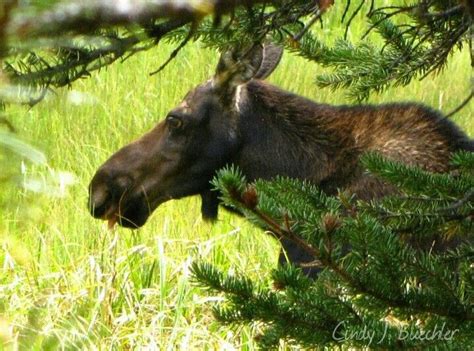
column 377, row 287
column 52, row 43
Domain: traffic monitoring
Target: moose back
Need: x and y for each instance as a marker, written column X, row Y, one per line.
column 237, row 118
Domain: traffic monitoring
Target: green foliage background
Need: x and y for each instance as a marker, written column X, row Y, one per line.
column 65, row 280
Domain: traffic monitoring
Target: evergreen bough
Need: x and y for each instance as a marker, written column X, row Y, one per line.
column 377, row 288
column 53, row 43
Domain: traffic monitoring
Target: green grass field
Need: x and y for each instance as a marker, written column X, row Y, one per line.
column 67, row 281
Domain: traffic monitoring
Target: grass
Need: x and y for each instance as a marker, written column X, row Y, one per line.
column 68, row 282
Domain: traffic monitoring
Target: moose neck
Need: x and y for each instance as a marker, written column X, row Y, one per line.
column 285, row 134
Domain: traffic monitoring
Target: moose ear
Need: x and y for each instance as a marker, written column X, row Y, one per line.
column 237, row 67
column 271, row 58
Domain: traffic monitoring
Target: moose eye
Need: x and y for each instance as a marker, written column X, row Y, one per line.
column 174, row 122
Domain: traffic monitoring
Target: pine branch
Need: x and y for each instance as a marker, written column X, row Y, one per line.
column 38, row 72
column 420, row 49
column 374, row 278
column 246, row 198
column 72, row 62
column 91, row 15
column 411, row 50
column 417, row 181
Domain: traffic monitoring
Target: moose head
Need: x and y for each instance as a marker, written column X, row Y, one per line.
column 181, row 154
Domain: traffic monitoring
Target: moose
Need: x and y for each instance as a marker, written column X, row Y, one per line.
column 237, row 118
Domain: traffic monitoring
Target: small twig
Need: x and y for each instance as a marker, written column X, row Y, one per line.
column 288, row 234
column 313, row 264
column 461, row 106
column 456, row 10
column 230, row 22
column 177, row 49
column 348, row 4
column 372, row 5
column 312, row 21
column 157, row 31
column 445, row 52
column 469, row 196
column 33, row 101
column 385, row 16
column 354, row 14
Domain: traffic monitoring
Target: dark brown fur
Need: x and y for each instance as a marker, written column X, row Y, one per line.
column 336, row 136
column 265, row 131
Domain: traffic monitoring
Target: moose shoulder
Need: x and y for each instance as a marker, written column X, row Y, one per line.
column 237, row 118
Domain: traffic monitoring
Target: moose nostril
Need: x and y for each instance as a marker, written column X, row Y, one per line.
column 99, row 196
column 105, row 191
column 99, row 200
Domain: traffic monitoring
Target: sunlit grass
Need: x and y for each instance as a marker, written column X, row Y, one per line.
column 67, row 281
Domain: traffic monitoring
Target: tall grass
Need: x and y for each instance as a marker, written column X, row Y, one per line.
column 68, row 282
